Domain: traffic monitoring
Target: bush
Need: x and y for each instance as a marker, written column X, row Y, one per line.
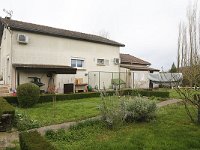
column 148, row 93
column 61, row 97
column 28, row 94
column 23, row 122
column 112, row 110
column 6, row 108
column 6, row 122
column 12, row 100
column 140, row 109
column 34, row 141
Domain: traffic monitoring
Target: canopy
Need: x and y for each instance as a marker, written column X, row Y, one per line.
column 165, row 77
column 57, row 69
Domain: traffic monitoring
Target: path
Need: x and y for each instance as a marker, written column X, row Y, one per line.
column 7, row 139
column 168, row 102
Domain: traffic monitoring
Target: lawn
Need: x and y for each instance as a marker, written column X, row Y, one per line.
column 174, row 94
column 69, row 110
column 171, row 130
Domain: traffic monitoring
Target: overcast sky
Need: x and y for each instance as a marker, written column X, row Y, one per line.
column 148, row 28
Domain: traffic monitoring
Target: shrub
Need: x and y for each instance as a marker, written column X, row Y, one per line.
column 12, row 100
column 112, row 111
column 61, row 97
column 5, row 108
column 140, row 109
column 34, row 141
column 23, row 122
column 28, row 94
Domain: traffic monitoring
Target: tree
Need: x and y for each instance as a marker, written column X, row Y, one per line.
column 104, row 33
column 173, row 69
column 188, row 59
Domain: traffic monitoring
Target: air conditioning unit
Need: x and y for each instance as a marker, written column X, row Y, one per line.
column 21, row 38
column 116, row 61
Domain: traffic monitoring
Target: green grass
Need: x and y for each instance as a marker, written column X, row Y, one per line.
column 65, row 111
column 172, row 130
column 174, row 94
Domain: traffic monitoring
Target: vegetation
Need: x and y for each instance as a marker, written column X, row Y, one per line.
column 65, row 111
column 189, row 58
column 28, row 94
column 63, row 97
column 173, row 69
column 116, row 111
column 172, row 129
column 34, row 141
column 140, row 109
column 6, row 108
column 24, row 122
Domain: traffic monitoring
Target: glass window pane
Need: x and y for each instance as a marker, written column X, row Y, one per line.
column 79, row 63
column 73, row 63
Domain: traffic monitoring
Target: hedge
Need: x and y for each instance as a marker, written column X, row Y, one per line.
column 34, row 141
column 6, row 123
column 60, row 97
column 6, row 108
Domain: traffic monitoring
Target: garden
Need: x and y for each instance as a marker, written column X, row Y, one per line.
column 128, row 119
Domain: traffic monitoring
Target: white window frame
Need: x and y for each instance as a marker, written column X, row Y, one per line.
column 106, row 62
column 78, row 58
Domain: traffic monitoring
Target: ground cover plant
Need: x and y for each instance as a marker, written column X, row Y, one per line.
column 172, row 129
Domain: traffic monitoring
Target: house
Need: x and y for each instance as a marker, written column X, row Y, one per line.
column 138, row 70
column 52, row 56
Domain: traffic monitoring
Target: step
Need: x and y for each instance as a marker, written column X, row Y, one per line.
column 4, row 91
column 5, row 94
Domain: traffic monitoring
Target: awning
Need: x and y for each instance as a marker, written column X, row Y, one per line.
column 56, row 69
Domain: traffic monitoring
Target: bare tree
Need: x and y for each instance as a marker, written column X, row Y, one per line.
column 104, row 33
column 188, row 59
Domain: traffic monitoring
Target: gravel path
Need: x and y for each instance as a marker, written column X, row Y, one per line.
column 8, row 139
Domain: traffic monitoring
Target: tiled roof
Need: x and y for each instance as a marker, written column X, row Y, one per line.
column 41, row 29
column 138, row 68
column 129, row 59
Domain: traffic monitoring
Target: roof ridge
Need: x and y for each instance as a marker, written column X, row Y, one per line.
column 16, row 24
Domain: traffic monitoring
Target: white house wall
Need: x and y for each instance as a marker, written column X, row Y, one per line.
column 49, row 50
column 5, row 60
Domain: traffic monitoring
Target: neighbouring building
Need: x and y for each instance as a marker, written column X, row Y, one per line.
column 138, row 71
column 29, row 51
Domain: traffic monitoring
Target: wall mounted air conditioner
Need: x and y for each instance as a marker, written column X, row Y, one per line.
column 116, row 61
column 21, row 38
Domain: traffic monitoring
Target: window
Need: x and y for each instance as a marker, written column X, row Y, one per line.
column 78, row 63
column 103, row 62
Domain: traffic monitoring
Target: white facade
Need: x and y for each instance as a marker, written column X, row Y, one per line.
column 52, row 50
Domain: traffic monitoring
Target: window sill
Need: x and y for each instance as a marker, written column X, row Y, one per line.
column 81, row 69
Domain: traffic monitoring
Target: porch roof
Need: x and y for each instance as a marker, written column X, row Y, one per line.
column 138, row 67
column 56, row 69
